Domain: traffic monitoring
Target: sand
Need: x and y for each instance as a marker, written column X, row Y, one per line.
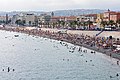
column 115, row 34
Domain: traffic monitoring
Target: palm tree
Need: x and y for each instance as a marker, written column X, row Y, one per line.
column 79, row 24
column 118, row 22
column 53, row 24
column 104, row 23
column 59, row 23
column 89, row 23
column 83, row 24
column 63, row 23
column 76, row 24
column 72, row 24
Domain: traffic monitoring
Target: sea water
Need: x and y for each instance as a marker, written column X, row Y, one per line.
column 36, row 58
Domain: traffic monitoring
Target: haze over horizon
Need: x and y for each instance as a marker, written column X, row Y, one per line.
column 52, row 5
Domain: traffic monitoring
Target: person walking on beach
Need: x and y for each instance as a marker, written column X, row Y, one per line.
column 110, row 54
column 117, row 62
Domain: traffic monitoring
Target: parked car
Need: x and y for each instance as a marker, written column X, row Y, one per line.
column 109, row 28
column 80, row 28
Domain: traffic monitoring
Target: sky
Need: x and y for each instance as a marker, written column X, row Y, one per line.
column 51, row 5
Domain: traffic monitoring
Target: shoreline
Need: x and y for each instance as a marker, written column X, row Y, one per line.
column 45, row 34
column 103, row 51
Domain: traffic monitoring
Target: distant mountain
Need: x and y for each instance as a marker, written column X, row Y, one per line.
column 77, row 12
column 59, row 12
column 18, row 12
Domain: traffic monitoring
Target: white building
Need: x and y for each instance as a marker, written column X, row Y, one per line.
column 15, row 18
column 2, row 18
column 88, row 17
column 43, row 19
column 85, row 18
column 30, row 19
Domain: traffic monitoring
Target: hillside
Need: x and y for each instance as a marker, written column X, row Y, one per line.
column 59, row 12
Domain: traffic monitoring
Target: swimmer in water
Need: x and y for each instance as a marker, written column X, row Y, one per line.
column 117, row 75
column 8, row 69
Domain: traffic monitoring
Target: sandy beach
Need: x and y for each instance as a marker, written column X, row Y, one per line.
column 29, row 57
column 115, row 34
column 71, row 37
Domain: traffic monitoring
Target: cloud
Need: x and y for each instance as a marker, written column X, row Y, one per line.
column 48, row 5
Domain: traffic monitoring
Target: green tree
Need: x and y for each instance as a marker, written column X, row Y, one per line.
column 118, row 21
column 111, row 22
column 2, row 21
column 89, row 23
column 53, row 24
column 20, row 22
column 79, row 23
column 72, row 24
column 63, row 23
column 59, row 22
column 104, row 23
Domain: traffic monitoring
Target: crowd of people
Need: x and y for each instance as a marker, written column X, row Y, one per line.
column 103, row 44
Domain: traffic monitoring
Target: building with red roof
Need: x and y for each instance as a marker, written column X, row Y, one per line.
column 111, row 15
